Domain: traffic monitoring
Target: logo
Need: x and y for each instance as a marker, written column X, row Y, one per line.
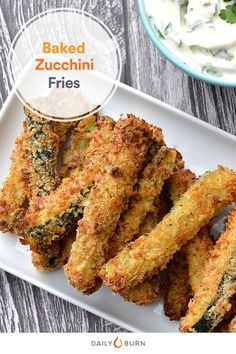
column 118, row 343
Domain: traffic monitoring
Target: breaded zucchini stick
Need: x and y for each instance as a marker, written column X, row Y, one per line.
column 54, row 255
column 55, row 215
column 147, row 188
column 161, row 207
column 212, row 300
column 175, row 278
column 197, row 252
column 150, row 290
column 179, row 183
column 187, row 265
column 150, row 253
column 224, row 325
column 44, row 139
column 177, row 290
column 57, row 257
column 42, row 153
column 13, row 195
column 73, row 156
column 48, row 262
column 145, row 293
column 127, row 150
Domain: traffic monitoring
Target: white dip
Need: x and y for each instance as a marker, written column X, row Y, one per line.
column 195, row 33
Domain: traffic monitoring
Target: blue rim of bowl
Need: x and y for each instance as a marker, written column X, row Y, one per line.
column 173, row 59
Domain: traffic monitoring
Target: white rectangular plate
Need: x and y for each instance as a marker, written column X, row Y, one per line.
column 203, row 147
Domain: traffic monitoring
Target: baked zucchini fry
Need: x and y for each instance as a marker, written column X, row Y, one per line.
column 13, row 195
column 73, row 156
column 186, row 268
column 197, row 252
column 179, row 183
column 212, row 300
column 55, row 215
column 127, row 150
column 150, row 253
column 232, row 325
column 175, row 278
column 161, row 207
column 57, row 257
column 67, row 245
column 147, row 188
column 150, row 290
column 177, row 290
column 145, row 293
column 44, row 139
column 42, row 154
column 48, row 263
column 224, row 325
column 54, row 256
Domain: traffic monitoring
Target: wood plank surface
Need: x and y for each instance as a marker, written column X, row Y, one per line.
column 23, row 307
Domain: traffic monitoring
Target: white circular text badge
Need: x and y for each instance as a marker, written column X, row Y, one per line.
column 65, row 64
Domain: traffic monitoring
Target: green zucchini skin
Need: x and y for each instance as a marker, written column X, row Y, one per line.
column 43, row 147
column 211, row 317
column 57, row 227
column 50, row 218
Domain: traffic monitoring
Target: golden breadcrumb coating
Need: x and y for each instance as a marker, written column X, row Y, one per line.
column 175, row 279
column 212, row 300
column 144, row 293
column 147, row 188
column 13, row 194
column 43, row 140
column 127, row 149
column 56, row 257
column 197, row 252
column 150, row 253
column 42, row 145
column 224, row 325
column 55, row 215
column 179, row 183
column 150, row 290
column 177, row 290
column 73, row 156
column 161, row 207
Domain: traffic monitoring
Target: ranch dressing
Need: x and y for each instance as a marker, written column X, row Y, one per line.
column 193, row 31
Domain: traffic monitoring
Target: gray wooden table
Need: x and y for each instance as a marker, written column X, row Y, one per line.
column 23, row 307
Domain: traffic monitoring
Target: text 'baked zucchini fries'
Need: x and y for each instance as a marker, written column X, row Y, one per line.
column 147, row 188
column 150, row 253
column 127, row 149
column 13, row 195
column 55, row 215
column 212, row 300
